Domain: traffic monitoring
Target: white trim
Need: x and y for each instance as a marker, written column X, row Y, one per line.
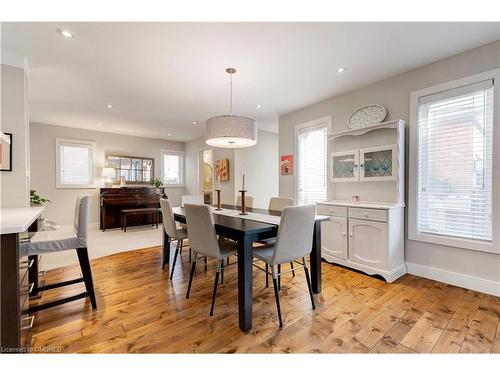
column 182, row 171
column 318, row 123
column 76, row 142
column 413, row 234
column 454, row 278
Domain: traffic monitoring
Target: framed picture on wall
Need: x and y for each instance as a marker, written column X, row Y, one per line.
column 6, row 152
column 222, row 169
column 286, row 165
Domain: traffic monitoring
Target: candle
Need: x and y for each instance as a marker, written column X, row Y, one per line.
column 243, row 184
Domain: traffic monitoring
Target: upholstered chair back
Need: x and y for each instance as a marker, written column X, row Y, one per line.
column 201, row 230
column 277, row 204
column 295, row 234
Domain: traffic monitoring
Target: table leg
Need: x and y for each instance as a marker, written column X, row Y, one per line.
column 315, row 259
column 245, row 269
column 166, row 249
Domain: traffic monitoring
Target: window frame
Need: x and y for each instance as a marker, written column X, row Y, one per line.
column 142, row 158
column 446, row 240
column 75, row 142
column 323, row 122
column 182, row 167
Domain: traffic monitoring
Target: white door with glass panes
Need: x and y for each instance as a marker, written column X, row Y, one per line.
column 378, row 163
column 344, row 166
column 311, row 162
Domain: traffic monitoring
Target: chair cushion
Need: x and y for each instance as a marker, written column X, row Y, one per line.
column 56, row 240
column 264, row 253
column 227, row 248
column 182, row 233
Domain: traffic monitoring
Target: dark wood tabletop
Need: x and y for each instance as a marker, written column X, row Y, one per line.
column 245, row 231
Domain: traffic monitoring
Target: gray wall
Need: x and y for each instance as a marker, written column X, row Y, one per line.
column 14, row 120
column 43, row 165
column 394, row 94
column 259, row 163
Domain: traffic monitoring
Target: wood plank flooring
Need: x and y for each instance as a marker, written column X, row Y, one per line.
column 141, row 311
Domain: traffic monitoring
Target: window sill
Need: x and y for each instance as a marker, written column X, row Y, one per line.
column 476, row 245
column 174, row 186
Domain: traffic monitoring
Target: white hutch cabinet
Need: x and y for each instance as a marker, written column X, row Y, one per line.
column 368, row 236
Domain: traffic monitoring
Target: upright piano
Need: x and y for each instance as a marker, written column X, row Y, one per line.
column 113, row 200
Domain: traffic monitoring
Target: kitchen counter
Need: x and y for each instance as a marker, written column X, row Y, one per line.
column 18, row 219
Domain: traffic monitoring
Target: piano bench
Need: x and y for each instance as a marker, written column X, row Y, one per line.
column 125, row 213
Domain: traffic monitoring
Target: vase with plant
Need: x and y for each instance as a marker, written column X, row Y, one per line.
column 36, row 199
column 157, row 183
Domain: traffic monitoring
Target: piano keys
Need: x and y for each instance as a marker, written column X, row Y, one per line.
column 113, row 200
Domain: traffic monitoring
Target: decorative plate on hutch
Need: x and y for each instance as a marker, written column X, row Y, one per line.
column 366, row 116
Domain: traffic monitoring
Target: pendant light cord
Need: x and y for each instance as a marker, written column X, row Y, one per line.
column 231, row 93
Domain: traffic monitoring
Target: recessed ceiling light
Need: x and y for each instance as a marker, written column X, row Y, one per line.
column 169, row 134
column 99, row 124
column 109, row 105
column 194, row 122
column 259, row 106
column 65, row 33
column 341, row 69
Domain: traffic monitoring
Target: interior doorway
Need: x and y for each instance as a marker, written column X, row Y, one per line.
column 206, row 174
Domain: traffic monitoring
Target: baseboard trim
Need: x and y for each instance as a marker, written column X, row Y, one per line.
column 454, row 278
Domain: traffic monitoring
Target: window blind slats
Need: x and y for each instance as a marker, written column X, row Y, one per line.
column 311, row 169
column 455, row 130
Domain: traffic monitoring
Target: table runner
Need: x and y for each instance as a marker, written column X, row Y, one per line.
column 263, row 218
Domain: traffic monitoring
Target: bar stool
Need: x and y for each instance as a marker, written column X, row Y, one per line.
column 63, row 240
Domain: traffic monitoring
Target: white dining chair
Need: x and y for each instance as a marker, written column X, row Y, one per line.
column 192, row 199
column 174, row 233
column 293, row 244
column 205, row 244
column 248, row 201
column 64, row 239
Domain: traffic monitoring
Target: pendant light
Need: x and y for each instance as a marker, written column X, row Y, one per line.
column 231, row 131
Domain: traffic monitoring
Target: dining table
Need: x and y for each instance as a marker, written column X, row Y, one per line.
column 259, row 224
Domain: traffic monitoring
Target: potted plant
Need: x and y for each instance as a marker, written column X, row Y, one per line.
column 158, row 183
column 37, row 200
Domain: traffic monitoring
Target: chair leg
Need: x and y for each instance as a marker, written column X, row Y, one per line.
column 267, row 275
column 306, row 270
column 189, row 255
column 191, row 277
column 279, row 276
column 83, row 258
column 293, row 272
column 179, row 243
column 206, row 265
column 215, row 290
column 277, row 296
column 165, row 254
column 222, row 271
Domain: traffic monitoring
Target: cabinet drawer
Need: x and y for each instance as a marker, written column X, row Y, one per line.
column 324, row 209
column 368, row 214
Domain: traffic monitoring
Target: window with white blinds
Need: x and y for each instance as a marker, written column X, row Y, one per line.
column 74, row 163
column 454, row 170
column 311, row 165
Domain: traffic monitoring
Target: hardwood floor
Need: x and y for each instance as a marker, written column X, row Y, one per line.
column 141, row 310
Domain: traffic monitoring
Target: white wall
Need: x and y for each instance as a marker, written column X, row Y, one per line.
column 14, row 119
column 260, row 164
column 43, row 167
column 474, row 267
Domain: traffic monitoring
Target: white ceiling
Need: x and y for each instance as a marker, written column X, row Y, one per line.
column 160, row 77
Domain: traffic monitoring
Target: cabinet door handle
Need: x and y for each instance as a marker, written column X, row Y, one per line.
column 350, row 234
column 31, row 319
column 344, row 233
